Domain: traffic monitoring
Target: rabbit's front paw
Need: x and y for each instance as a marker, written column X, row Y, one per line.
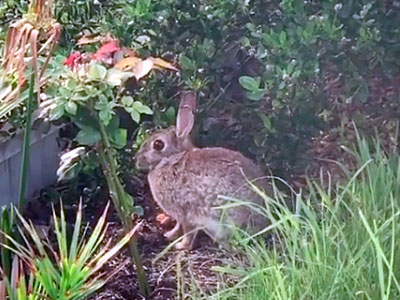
column 173, row 233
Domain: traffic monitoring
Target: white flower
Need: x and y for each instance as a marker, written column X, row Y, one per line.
column 338, row 7
column 46, row 107
column 68, row 160
column 72, row 154
column 285, row 76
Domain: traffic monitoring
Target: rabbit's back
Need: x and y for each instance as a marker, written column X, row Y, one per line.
column 187, row 186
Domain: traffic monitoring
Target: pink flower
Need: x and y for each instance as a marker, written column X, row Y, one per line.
column 106, row 52
column 71, row 61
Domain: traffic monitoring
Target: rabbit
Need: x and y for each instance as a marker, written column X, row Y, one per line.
column 187, row 182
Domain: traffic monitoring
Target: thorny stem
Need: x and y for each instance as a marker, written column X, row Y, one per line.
column 117, row 194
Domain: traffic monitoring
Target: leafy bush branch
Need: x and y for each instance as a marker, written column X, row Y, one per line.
column 88, row 91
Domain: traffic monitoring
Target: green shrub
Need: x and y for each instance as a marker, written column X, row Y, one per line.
column 272, row 74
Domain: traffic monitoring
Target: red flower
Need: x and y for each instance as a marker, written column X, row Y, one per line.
column 72, row 59
column 106, row 51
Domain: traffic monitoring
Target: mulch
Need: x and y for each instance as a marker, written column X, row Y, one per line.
column 171, row 275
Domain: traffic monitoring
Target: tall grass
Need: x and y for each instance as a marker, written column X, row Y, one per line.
column 339, row 243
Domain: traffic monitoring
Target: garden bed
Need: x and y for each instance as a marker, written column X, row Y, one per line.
column 293, row 85
column 172, row 273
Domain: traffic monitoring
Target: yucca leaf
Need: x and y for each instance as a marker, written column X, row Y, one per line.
column 22, row 252
column 32, row 233
column 97, row 244
column 6, row 222
column 21, row 289
column 102, row 260
column 75, row 236
column 88, row 248
column 70, row 276
column 60, row 231
column 101, row 253
column 49, row 274
column 82, row 241
column 26, row 243
column 15, row 272
column 80, row 276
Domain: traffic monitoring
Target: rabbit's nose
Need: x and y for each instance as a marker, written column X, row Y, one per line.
column 140, row 164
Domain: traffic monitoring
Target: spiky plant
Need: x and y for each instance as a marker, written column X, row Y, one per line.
column 69, row 271
column 33, row 36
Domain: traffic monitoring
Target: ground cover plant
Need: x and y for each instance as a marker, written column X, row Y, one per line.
column 284, row 82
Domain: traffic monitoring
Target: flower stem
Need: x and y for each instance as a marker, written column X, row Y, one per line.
column 117, row 194
column 26, row 146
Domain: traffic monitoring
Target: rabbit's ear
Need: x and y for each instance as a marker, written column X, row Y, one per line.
column 185, row 118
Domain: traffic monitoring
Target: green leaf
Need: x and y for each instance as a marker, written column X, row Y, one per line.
column 138, row 210
column 290, row 68
column 249, row 83
column 84, row 119
column 296, row 74
column 114, row 125
column 97, row 72
column 363, row 32
column 57, row 112
column 92, row 91
column 74, row 275
column 105, row 116
column 108, row 92
column 119, row 138
column 186, row 63
column 251, row 27
column 170, row 114
column 135, row 115
column 88, row 136
column 65, row 93
column 116, row 77
column 255, row 95
column 72, row 84
column 101, row 103
column 81, row 97
column 245, row 42
column 71, row 107
column 127, row 101
column 282, row 38
column 267, row 121
column 141, row 108
column 276, row 104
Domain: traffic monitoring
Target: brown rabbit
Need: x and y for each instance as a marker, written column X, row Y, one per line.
column 187, row 181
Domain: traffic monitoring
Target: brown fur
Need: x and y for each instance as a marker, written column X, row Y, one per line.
column 187, row 181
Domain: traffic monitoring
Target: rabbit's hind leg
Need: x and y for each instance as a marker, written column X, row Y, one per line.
column 219, row 232
column 174, row 233
column 188, row 239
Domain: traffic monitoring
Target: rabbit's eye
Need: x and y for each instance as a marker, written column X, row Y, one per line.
column 158, row 145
